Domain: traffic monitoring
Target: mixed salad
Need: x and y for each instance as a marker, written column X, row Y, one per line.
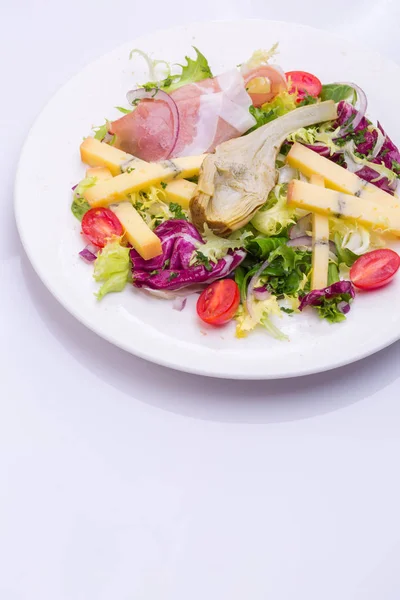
column 260, row 191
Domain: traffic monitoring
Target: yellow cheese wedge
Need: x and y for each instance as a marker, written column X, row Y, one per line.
column 332, row 203
column 137, row 232
column 336, row 177
column 141, row 177
column 101, row 173
column 96, row 154
column 320, row 247
column 180, row 191
column 185, row 166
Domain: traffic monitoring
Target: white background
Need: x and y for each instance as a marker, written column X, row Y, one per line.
column 121, row 480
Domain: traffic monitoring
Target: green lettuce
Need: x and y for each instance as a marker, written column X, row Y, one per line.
column 275, row 216
column 279, row 106
column 216, row 247
column 262, row 311
column 288, row 271
column 79, row 205
column 193, row 71
column 112, row 267
column 338, row 92
column 328, row 309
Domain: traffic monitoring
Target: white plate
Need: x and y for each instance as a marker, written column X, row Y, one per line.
column 148, row 327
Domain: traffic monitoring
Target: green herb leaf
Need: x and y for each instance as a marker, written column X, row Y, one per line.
column 308, row 99
column 288, row 311
column 163, row 185
column 173, row 275
column 176, row 210
column 203, row 260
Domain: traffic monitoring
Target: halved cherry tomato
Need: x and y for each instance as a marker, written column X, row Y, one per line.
column 101, row 224
column 219, row 302
column 375, row 269
column 303, row 83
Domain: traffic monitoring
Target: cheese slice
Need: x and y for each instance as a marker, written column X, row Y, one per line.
column 320, row 247
column 101, row 173
column 337, row 177
column 141, row 177
column 332, row 203
column 180, row 191
column 97, row 154
column 137, row 232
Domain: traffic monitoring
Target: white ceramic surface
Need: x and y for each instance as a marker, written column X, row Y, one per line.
column 148, row 327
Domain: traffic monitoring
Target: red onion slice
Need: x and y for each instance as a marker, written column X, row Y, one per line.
column 156, row 94
column 361, row 107
column 87, row 255
column 305, row 241
column 252, row 284
column 179, row 303
column 343, row 307
column 261, row 293
column 301, row 227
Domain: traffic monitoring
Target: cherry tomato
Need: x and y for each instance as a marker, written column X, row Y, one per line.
column 99, row 225
column 303, row 83
column 219, row 302
column 375, row 269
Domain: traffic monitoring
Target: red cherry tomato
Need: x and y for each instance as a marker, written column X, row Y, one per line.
column 219, row 302
column 99, row 225
column 303, row 83
column 375, row 269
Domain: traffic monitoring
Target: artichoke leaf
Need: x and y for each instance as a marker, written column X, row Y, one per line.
column 236, row 179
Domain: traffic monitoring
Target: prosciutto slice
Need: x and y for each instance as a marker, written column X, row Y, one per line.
column 210, row 112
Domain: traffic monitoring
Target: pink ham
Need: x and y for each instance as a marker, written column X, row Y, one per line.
column 210, row 112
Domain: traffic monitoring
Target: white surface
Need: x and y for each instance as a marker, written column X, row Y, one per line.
column 125, row 481
column 148, row 327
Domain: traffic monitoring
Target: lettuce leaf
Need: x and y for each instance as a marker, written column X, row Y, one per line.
column 262, row 313
column 79, row 205
column 112, row 267
column 216, row 247
column 279, row 106
column 288, row 271
column 275, row 216
column 338, row 92
column 259, row 58
column 193, row 71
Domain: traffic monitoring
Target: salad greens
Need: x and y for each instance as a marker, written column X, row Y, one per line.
column 272, row 273
column 338, row 92
column 194, row 70
column 112, row 268
column 279, row 106
column 79, row 205
column 275, row 216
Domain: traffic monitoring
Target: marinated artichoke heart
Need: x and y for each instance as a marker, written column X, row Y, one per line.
column 236, row 180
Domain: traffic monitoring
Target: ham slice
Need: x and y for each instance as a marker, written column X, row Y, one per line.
column 210, row 112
